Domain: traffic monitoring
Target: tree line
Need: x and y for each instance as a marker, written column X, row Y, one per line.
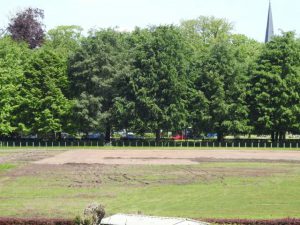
column 197, row 75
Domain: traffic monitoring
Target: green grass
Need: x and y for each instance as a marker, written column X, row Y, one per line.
column 6, row 166
column 236, row 198
column 224, row 190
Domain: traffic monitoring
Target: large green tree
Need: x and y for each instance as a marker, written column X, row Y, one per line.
column 218, row 68
column 156, row 91
column 44, row 107
column 275, row 88
column 222, row 81
column 13, row 60
column 94, row 70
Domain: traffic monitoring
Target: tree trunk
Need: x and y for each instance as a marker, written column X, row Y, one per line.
column 52, row 135
column 282, row 136
column 107, row 133
column 276, row 136
column 157, row 134
column 273, row 136
column 220, row 137
column 279, row 136
column 59, row 136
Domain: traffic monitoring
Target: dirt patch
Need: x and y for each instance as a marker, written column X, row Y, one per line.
column 97, row 175
column 98, row 168
column 26, row 156
column 165, row 157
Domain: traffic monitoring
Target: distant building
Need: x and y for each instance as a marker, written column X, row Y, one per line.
column 270, row 28
column 125, row 219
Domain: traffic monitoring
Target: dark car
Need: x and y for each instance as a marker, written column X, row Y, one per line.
column 95, row 136
column 131, row 137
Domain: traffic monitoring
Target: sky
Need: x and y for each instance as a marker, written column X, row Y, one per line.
column 249, row 17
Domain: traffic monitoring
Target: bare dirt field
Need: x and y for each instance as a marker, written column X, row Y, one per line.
column 198, row 183
column 166, row 157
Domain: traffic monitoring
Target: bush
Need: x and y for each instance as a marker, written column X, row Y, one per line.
column 92, row 215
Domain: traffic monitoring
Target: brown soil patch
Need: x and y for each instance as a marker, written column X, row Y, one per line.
column 165, row 157
column 98, row 168
column 24, row 156
column 97, row 175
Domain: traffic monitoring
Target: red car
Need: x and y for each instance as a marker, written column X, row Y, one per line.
column 178, row 137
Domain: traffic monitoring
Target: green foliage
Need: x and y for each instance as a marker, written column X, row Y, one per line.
column 156, row 91
column 65, row 39
column 198, row 75
column 222, row 83
column 44, row 105
column 13, row 60
column 94, row 70
column 204, row 31
column 274, row 93
column 82, row 221
column 219, row 69
column 6, row 166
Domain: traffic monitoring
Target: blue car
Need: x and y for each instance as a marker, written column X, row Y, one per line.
column 131, row 137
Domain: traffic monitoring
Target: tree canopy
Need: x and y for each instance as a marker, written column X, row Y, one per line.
column 198, row 75
column 157, row 87
column 274, row 92
column 13, row 62
column 27, row 26
column 93, row 73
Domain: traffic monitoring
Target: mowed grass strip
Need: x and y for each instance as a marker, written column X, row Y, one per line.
column 207, row 190
column 235, row 198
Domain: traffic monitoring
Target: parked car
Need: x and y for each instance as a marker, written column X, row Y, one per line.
column 178, row 137
column 95, row 136
column 131, row 137
column 212, row 135
column 30, row 136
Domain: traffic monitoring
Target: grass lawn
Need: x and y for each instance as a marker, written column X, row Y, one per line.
column 206, row 190
column 6, row 166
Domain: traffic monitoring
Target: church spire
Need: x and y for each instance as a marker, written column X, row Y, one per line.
column 270, row 29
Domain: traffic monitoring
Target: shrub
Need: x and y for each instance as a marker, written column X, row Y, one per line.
column 92, row 215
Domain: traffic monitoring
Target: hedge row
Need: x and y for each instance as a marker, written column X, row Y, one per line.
column 18, row 221
column 285, row 221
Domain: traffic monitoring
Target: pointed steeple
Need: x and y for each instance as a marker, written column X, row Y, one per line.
column 270, row 28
